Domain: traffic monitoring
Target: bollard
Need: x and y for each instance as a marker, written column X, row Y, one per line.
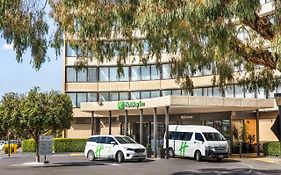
column 240, row 148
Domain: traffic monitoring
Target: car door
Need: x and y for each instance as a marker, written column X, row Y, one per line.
column 99, row 148
column 109, row 148
column 198, row 143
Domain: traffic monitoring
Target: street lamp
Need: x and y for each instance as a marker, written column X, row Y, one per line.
column 277, row 97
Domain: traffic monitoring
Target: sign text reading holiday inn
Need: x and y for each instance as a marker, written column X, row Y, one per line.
column 134, row 104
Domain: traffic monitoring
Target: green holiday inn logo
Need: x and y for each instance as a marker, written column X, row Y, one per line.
column 122, row 104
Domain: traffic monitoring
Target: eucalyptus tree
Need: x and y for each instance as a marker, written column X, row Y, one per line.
column 198, row 34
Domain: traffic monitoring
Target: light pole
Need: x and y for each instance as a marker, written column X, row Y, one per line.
column 277, row 97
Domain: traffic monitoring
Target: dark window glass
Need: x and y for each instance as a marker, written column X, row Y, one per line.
column 199, row 137
column 82, row 75
column 102, row 140
column 109, row 139
column 213, row 136
column 98, row 140
column 70, row 74
column 172, row 135
column 104, row 74
column 81, row 97
column 92, row 139
column 187, row 136
column 178, row 135
column 92, row 74
column 92, row 97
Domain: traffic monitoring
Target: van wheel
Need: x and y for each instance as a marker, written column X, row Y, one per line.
column 91, row 155
column 171, row 153
column 198, row 156
column 120, row 157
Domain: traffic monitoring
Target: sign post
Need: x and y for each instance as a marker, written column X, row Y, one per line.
column 45, row 146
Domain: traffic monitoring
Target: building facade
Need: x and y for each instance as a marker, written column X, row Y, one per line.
column 98, row 90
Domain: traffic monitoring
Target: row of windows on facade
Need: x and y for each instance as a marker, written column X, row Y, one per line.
column 232, row 91
column 133, row 73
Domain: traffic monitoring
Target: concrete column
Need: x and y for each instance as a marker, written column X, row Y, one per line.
column 155, row 131
column 167, row 131
column 141, row 126
column 258, row 131
column 92, row 123
column 126, row 122
column 109, row 127
column 97, row 123
column 232, row 114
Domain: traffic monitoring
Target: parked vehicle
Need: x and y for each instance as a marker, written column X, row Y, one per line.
column 119, row 148
column 2, row 143
column 196, row 142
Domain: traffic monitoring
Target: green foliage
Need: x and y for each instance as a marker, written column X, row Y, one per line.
column 28, row 145
column 69, row 145
column 271, row 148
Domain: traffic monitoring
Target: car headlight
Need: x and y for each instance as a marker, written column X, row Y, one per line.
column 211, row 148
column 129, row 149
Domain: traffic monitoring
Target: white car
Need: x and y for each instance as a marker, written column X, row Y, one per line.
column 119, row 148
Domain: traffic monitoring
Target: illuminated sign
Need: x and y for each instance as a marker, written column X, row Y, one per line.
column 122, row 104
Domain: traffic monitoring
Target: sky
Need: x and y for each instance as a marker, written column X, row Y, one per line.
column 21, row 77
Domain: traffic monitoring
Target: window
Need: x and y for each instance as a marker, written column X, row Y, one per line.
column 197, row 92
column 113, row 74
column 82, row 75
column 135, row 95
column 166, row 71
column 81, row 97
column 155, row 94
column 69, row 51
column 155, row 73
column 176, row 92
column 125, row 76
column 229, row 91
column 145, row 47
column 109, row 140
column 101, row 140
column 199, row 137
column 103, row 96
column 213, row 136
column 261, row 93
column 103, row 74
column 145, row 94
column 70, row 74
column 73, row 98
column 185, row 92
column 92, row 74
column 123, row 96
column 145, row 72
column 92, row 139
column 166, row 92
column 113, row 96
column 249, row 94
column 187, row 136
column 135, row 73
column 92, row 97
column 239, row 93
column 216, row 92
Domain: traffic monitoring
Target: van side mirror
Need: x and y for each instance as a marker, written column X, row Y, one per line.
column 113, row 143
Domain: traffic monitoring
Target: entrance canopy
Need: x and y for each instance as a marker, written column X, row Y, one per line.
column 177, row 105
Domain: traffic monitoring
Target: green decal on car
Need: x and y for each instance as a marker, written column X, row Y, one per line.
column 98, row 150
column 183, row 147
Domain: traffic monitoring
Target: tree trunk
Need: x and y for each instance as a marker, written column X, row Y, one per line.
column 37, row 149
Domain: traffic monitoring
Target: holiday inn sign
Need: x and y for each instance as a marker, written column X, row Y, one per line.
column 134, row 104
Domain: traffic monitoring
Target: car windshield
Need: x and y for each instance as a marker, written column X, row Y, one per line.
column 213, row 136
column 124, row 140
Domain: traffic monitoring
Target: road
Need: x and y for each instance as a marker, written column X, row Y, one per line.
column 66, row 164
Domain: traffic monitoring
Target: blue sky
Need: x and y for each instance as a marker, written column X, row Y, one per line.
column 21, row 77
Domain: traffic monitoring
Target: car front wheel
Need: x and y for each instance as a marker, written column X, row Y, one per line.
column 91, row 155
column 120, row 157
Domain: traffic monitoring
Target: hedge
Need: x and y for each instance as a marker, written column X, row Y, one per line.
column 59, row 145
column 28, row 145
column 271, row 149
column 69, row 145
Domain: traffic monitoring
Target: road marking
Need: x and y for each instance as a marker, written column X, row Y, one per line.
column 76, row 154
column 251, row 168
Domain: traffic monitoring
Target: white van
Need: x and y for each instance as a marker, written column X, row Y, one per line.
column 197, row 142
column 119, row 148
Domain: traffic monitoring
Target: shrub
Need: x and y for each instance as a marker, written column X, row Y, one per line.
column 271, row 148
column 13, row 148
column 28, row 145
column 69, row 145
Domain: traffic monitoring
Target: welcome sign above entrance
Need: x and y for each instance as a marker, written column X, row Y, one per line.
column 134, row 104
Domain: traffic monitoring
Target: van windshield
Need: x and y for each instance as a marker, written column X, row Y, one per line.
column 213, row 136
column 124, row 140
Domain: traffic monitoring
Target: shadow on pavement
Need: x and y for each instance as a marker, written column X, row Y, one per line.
column 227, row 160
column 62, row 164
column 238, row 171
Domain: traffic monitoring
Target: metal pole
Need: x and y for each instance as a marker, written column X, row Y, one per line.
column 109, row 128
column 126, row 122
column 141, row 126
column 9, row 146
column 258, row 131
column 232, row 114
column 155, row 131
column 167, row 131
column 92, row 123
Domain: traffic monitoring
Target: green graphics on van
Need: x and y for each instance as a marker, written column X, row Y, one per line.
column 98, row 150
column 122, row 104
column 182, row 149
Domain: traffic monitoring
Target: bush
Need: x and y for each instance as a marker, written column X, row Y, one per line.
column 271, row 149
column 69, row 145
column 13, row 148
column 28, row 145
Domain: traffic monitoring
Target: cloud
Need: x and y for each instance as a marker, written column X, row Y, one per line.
column 7, row 46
